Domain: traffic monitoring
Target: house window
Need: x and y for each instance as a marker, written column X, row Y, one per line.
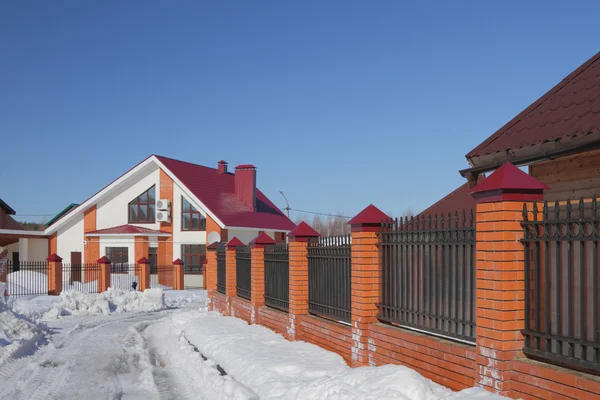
column 193, row 256
column 141, row 210
column 119, row 258
column 191, row 219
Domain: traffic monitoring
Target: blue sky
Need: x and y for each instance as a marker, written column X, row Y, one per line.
column 338, row 103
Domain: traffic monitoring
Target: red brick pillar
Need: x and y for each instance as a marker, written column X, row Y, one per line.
column 54, row 275
column 4, row 269
column 366, row 279
column 298, row 289
column 257, row 273
column 210, row 269
column 179, row 275
column 230, row 272
column 143, row 274
column 500, row 277
column 104, row 279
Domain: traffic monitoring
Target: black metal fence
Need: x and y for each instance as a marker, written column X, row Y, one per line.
column 221, row 273
column 164, row 277
column 428, row 274
column 277, row 272
column 329, row 277
column 81, row 277
column 561, row 283
column 125, row 276
column 25, row 278
column 243, row 272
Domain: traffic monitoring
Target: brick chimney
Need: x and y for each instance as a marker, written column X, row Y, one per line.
column 245, row 184
column 222, row 167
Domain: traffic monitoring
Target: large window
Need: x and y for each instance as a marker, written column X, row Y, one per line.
column 193, row 256
column 119, row 257
column 141, row 210
column 191, row 219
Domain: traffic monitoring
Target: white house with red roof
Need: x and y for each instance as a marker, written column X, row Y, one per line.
column 164, row 209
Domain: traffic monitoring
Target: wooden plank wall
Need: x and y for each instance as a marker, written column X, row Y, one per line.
column 570, row 177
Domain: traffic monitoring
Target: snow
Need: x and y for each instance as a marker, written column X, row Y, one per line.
column 127, row 344
column 278, row 369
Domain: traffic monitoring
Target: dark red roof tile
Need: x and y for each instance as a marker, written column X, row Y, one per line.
column 570, row 109
column 217, row 192
column 127, row 230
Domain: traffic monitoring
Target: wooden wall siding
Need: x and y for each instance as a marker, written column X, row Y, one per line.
column 570, row 177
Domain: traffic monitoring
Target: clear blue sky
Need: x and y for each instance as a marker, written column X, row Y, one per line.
column 338, row 103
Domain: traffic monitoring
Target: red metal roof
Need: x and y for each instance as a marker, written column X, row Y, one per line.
column 262, row 239
column 370, row 215
column 303, row 230
column 217, row 192
column 509, row 177
column 235, row 242
column 570, row 109
column 458, row 200
column 127, row 230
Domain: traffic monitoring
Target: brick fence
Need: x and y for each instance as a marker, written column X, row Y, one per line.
column 495, row 361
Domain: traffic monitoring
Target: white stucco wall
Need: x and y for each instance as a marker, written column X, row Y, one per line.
column 246, row 235
column 12, row 248
column 193, row 281
column 112, row 210
column 31, row 249
column 116, row 241
column 70, row 239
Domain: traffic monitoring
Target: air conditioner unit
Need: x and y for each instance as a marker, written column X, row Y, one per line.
column 163, row 216
column 163, row 204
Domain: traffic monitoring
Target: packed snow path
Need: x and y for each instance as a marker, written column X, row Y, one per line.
column 97, row 357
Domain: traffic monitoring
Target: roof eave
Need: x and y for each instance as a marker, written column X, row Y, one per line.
column 532, row 154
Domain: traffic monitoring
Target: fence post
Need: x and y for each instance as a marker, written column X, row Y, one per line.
column 179, row 277
column 210, row 270
column 298, row 277
column 54, row 275
column 257, row 272
column 230, row 272
column 144, row 274
column 104, row 279
column 4, row 270
column 366, row 279
column 500, row 276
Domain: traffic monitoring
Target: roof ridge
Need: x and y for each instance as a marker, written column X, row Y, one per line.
column 538, row 102
column 185, row 162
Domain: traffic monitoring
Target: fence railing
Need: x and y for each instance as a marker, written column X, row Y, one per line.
column 561, row 283
column 221, row 270
column 243, row 272
column 164, row 278
column 81, row 277
column 428, row 274
column 277, row 272
column 329, row 277
column 25, row 278
column 125, row 276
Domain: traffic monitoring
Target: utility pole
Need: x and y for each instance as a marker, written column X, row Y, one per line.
column 287, row 205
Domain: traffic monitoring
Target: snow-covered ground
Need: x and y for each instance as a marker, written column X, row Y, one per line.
column 166, row 345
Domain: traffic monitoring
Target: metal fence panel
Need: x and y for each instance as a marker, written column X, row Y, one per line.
column 329, row 277
column 561, row 283
column 221, row 272
column 164, row 278
column 125, row 276
column 277, row 272
column 243, row 272
column 26, row 278
column 81, row 277
column 428, row 274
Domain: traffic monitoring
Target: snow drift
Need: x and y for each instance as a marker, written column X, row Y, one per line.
column 18, row 334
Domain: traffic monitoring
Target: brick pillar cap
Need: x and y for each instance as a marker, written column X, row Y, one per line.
column 233, row 243
column 143, row 260
column 368, row 220
column 103, row 260
column 205, row 261
column 302, row 232
column 54, row 258
column 213, row 246
column 178, row 262
column 261, row 241
column 508, row 183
